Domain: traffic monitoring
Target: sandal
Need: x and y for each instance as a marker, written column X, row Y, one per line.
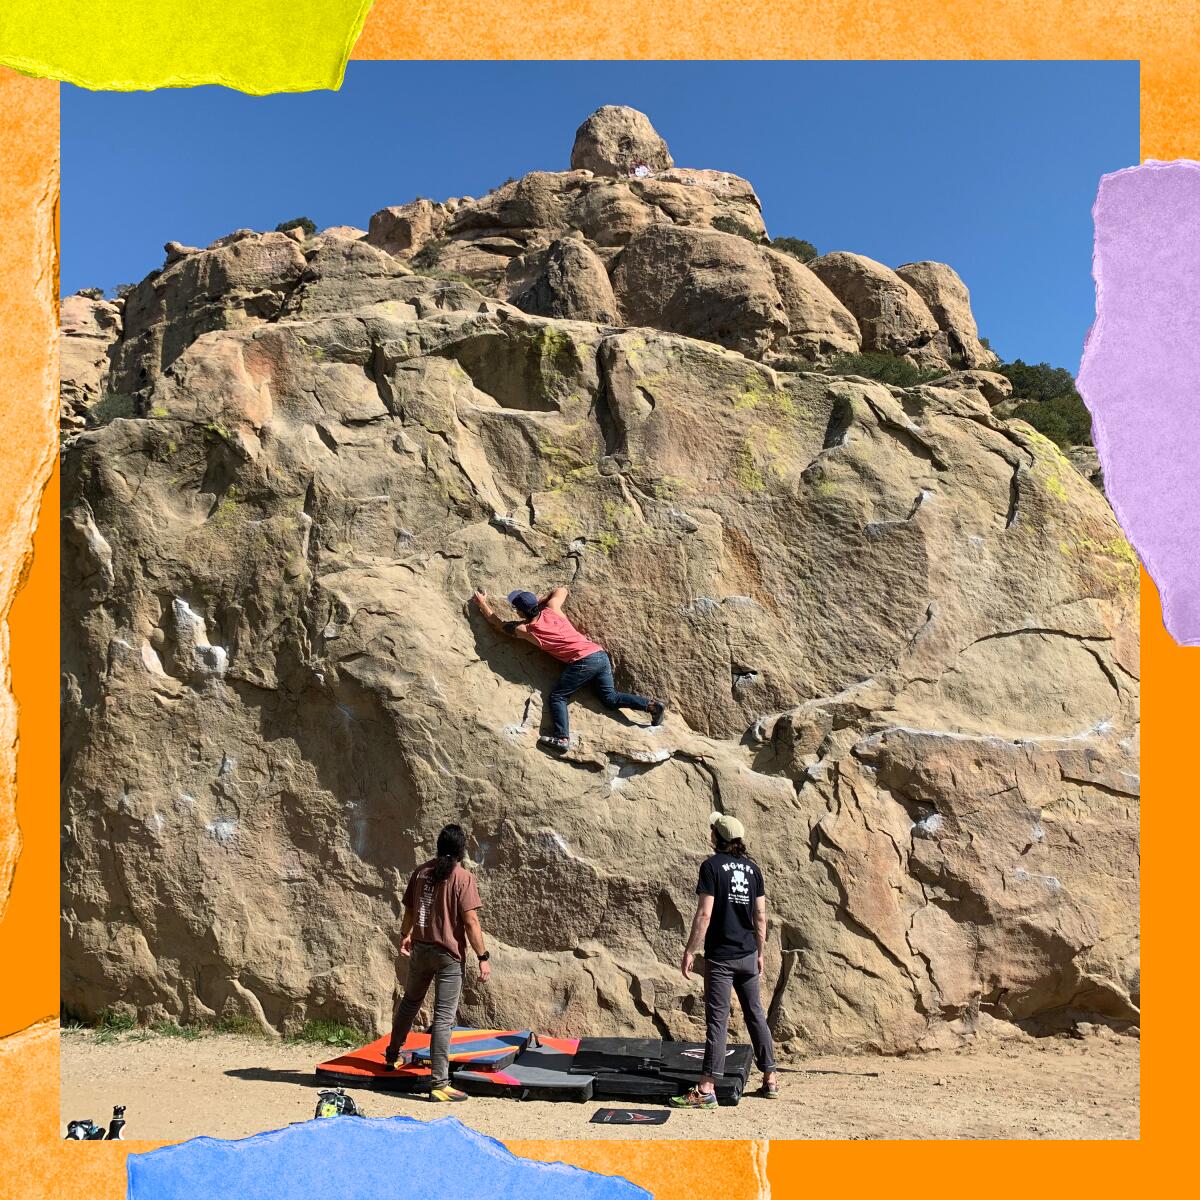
column 695, row 1098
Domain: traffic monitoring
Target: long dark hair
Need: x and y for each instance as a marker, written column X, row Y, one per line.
column 737, row 847
column 451, row 850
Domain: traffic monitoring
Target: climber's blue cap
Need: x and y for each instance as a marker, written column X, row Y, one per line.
column 523, row 602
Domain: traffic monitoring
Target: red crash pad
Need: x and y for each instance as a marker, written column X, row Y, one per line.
column 364, row 1067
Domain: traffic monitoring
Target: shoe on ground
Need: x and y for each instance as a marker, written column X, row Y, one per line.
column 393, row 1060
column 447, row 1095
column 658, row 712
column 695, row 1098
column 555, row 743
column 770, row 1091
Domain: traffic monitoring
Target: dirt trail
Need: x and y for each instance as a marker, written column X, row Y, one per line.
column 232, row 1086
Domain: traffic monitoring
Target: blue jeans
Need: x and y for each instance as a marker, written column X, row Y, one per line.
column 597, row 669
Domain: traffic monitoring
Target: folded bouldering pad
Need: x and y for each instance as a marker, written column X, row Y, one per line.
column 597, row 1056
column 688, row 1058
column 481, row 1049
column 365, row 1067
column 539, row 1073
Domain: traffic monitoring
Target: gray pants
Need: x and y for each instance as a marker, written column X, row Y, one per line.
column 740, row 975
column 431, row 964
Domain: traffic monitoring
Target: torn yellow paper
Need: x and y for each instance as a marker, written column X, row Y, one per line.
column 255, row 46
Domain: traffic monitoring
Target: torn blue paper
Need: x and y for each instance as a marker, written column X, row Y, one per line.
column 361, row 1158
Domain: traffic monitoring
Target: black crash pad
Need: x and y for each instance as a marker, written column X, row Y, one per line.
column 597, row 1056
column 539, row 1073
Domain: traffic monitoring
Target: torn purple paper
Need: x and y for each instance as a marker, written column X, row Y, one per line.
column 1141, row 373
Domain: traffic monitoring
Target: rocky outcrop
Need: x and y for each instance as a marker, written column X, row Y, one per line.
column 899, row 634
column 89, row 325
column 702, row 283
column 891, row 316
column 616, row 140
column 948, row 300
column 567, row 279
column 819, row 324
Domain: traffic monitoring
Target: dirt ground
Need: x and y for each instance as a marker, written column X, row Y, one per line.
column 232, row 1086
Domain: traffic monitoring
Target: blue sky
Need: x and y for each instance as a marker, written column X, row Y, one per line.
column 991, row 167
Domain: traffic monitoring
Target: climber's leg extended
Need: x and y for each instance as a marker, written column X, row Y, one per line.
column 422, row 968
column 611, row 698
column 573, row 677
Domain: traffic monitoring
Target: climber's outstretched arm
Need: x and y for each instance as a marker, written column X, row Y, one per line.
column 555, row 599
column 515, row 628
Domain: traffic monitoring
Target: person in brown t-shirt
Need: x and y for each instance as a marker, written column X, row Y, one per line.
column 441, row 915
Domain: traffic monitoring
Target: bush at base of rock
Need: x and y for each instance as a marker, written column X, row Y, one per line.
column 799, row 248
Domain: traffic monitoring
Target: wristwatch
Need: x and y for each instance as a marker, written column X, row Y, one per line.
column 485, row 956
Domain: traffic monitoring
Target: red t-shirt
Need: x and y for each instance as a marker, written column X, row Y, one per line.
column 559, row 638
column 439, row 908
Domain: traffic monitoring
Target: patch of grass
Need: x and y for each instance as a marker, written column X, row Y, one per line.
column 171, row 1029
column 112, row 406
column 805, row 251
column 240, row 1024
column 886, row 368
column 740, row 229
column 430, row 253
column 328, row 1033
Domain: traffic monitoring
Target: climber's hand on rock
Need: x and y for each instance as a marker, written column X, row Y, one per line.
column 480, row 597
column 688, row 959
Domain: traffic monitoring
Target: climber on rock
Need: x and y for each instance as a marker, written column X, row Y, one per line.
column 441, row 915
column 543, row 623
column 731, row 923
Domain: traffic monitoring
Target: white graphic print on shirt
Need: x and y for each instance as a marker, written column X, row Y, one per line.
column 739, row 885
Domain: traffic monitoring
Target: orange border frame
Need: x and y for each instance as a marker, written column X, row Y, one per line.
column 1163, row 36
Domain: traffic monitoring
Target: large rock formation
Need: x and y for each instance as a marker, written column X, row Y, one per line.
column 899, row 634
column 89, row 325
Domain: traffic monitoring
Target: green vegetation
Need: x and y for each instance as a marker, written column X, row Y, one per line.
column 329, row 1033
column 1046, row 397
column 112, row 406
column 887, row 368
column 797, row 247
column 430, row 253
column 732, row 225
column 306, row 223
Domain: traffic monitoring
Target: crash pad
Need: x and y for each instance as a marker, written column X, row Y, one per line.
column 361, row 1158
column 623, row 1085
column 688, row 1057
column 481, row 1049
column 597, row 1056
column 539, row 1073
column 364, row 1067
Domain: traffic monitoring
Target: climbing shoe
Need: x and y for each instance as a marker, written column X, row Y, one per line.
column 695, row 1098
column 560, row 744
column 770, row 1091
column 658, row 712
column 447, row 1095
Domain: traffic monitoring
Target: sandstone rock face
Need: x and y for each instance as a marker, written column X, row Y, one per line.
column 819, row 325
column 616, row 140
column 893, row 318
column 567, row 279
column 899, row 634
column 950, row 303
column 996, row 389
column 702, row 283
column 89, row 327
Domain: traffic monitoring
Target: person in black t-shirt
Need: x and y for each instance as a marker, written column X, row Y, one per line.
column 731, row 921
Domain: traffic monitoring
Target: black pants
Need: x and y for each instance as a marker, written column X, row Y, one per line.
column 739, row 975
